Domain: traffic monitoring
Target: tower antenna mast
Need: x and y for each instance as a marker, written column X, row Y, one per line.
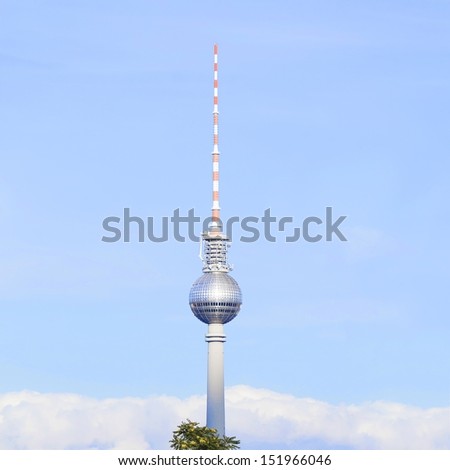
column 216, row 225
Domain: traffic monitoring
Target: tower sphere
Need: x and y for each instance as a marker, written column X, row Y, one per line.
column 215, row 297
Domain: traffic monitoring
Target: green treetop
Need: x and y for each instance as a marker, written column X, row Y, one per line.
column 191, row 436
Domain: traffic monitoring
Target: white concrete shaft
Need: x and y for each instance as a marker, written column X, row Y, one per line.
column 215, row 401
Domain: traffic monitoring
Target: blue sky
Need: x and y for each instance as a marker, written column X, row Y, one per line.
column 107, row 104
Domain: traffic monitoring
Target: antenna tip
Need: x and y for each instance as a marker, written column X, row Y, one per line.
column 216, row 48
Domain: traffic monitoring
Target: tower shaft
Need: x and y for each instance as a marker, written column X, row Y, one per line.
column 215, row 402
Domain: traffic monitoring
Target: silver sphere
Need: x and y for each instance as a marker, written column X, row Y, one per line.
column 215, row 297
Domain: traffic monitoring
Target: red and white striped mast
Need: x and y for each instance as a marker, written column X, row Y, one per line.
column 215, row 242
column 216, row 224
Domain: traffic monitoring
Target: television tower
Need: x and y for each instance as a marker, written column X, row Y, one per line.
column 215, row 298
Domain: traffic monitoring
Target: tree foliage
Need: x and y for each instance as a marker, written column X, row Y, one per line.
column 191, row 436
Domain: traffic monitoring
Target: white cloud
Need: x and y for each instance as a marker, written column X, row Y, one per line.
column 270, row 418
column 260, row 418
